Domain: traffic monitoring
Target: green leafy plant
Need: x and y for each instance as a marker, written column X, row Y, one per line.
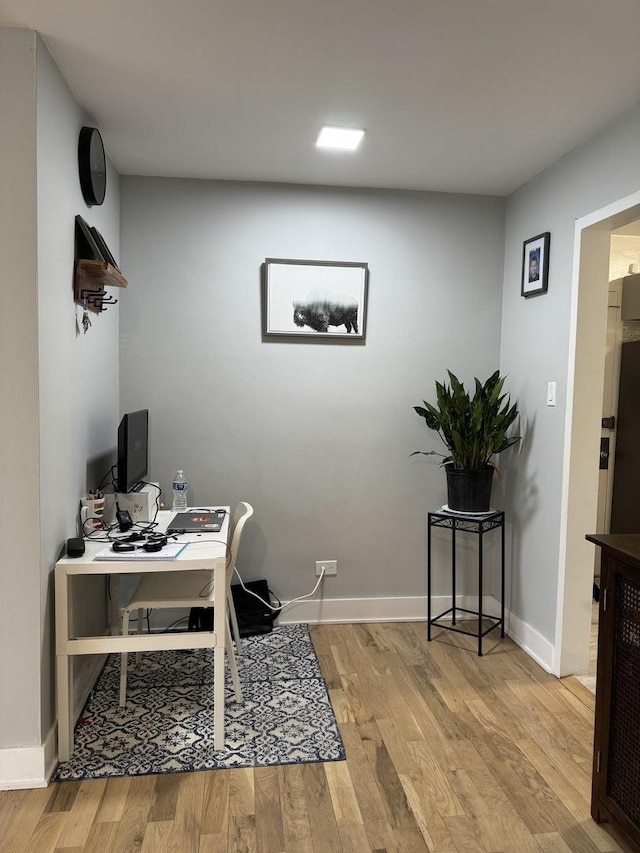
column 472, row 428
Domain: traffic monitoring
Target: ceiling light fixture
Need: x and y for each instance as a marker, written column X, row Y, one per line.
column 339, row 138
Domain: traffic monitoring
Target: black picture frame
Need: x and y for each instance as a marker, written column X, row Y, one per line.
column 315, row 299
column 86, row 247
column 535, row 265
column 104, row 249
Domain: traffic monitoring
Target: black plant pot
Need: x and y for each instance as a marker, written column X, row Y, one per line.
column 469, row 491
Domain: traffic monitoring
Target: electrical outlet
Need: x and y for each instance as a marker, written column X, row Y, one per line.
column 330, row 567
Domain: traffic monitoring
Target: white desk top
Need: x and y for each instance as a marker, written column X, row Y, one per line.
column 203, row 550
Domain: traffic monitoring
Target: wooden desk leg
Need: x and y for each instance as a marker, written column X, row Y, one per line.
column 218, row 697
column 219, row 627
column 115, row 620
column 63, row 666
column 65, row 735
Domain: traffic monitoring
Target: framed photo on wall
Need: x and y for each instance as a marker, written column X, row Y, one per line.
column 104, row 249
column 535, row 265
column 322, row 299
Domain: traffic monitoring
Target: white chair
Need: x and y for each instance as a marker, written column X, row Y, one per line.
column 189, row 589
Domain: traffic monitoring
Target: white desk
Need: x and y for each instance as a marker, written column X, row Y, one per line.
column 201, row 553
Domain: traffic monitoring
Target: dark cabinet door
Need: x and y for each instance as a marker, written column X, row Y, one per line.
column 616, row 770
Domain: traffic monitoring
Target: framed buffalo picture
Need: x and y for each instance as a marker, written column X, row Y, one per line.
column 322, row 299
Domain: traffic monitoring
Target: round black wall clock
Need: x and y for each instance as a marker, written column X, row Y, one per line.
column 92, row 166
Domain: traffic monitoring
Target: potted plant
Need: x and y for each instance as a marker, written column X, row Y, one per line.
column 473, row 430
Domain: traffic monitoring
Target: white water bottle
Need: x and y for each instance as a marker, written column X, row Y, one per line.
column 180, row 488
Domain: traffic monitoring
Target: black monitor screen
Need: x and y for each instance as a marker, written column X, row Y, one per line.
column 133, row 450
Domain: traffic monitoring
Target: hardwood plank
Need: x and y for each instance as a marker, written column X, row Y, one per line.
column 214, row 844
column 341, row 705
column 113, row 800
column 10, row 802
column 353, row 838
column 269, row 828
column 428, row 819
column 156, row 837
column 165, row 797
column 393, row 794
column 552, row 842
column 44, row 837
column 464, row 835
column 436, row 780
column 370, row 803
column 26, row 810
column 577, row 840
column 82, row 814
column 186, row 824
column 132, row 827
column 242, row 833
column 604, row 836
column 322, row 819
column 343, row 797
column 242, row 792
column 215, row 809
column 64, row 794
column 495, row 817
column 101, row 838
column 580, row 692
column 296, row 827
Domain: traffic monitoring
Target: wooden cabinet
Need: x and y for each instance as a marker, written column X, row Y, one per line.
column 615, row 795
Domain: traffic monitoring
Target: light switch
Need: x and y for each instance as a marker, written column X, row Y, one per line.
column 551, row 394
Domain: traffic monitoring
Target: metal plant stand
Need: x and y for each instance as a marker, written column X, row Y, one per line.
column 478, row 525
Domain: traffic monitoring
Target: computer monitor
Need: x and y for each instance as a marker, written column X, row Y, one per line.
column 133, row 450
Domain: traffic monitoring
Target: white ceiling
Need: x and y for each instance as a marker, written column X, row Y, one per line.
column 456, row 95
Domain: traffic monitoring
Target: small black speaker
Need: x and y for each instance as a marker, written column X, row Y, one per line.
column 75, row 547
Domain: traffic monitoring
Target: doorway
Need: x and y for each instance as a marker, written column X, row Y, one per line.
column 586, row 375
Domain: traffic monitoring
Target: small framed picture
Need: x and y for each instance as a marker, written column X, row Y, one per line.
column 104, row 249
column 321, row 299
column 86, row 247
column 535, row 265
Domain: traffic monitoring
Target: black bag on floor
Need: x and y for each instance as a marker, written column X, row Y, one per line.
column 253, row 617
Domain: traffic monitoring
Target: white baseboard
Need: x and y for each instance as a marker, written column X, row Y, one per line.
column 334, row 610
column 27, row 766
column 414, row 609
column 532, row 642
column 32, row 766
column 408, row 609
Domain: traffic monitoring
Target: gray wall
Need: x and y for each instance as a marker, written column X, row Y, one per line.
column 59, row 389
column 535, row 349
column 19, row 547
column 78, row 373
column 316, row 435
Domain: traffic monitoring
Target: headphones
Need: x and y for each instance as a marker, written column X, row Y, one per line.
column 123, row 546
column 155, row 542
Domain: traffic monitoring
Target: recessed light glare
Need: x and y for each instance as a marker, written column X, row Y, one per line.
column 341, row 138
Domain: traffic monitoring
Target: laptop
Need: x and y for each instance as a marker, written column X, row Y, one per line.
column 197, row 521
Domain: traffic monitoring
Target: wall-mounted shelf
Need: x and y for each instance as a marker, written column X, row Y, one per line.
column 90, row 280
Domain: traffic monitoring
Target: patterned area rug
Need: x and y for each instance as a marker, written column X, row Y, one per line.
column 167, row 724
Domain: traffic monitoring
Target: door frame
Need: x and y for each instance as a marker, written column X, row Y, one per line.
column 585, row 378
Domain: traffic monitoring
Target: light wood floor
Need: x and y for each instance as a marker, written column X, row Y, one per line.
column 445, row 752
column 589, row 680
